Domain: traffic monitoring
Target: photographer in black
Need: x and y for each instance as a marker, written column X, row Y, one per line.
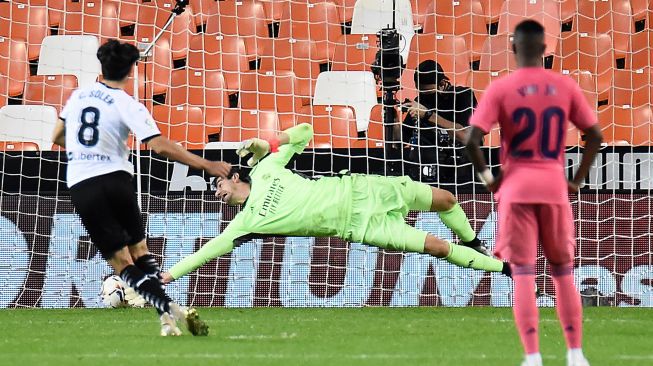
column 434, row 128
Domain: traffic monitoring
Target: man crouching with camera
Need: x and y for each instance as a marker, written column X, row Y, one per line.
column 434, row 128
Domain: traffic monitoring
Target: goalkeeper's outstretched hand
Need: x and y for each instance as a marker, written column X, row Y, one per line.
column 257, row 147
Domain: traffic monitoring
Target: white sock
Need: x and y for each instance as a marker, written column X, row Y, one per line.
column 575, row 354
column 534, row 359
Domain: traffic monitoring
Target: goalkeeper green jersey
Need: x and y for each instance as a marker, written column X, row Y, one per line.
column 284, row 203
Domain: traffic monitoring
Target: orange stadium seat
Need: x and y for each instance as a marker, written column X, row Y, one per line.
column 26, row 22
column 222, row 53
column 91, row 18
column 333, row 127
column 354, row 52
column 315, row 21
column 421, row 10
column 631, row 87
column 274, row 9
column 497, row 54
column 611, row 17
column 568, row 9
column 245, row 19
column 270, row 92
column 463, row 18
column 639, row 8
column 241, row 125
column 591, row 52
column 52, row 90
column 56, row 9
column 4, row 84
column 491, row 9
column 18, row 146
column 201, row 9
column 14, row 64
column 587, row 83
column 641, row 126
column 183, row 27
column 158, row 67
column 200, row 88
column 127, row 12
column 182, row 124
column 375, row 135
column 641, row 51
column 544, row 11
column 625, row 124
column 479, row 80
column 345, row 10
column 302, row 57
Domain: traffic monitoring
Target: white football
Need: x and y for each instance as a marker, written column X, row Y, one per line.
column 113, row 292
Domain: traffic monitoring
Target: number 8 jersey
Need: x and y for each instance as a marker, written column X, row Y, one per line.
column 533, row 107
column 97, row 121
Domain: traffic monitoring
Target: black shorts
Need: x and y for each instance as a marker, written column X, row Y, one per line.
column 109, row 210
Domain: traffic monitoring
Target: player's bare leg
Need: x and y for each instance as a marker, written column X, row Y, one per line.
column 453, row 216
column 463, row 256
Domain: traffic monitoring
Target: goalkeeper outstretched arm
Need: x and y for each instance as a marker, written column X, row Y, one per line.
column 273, row 154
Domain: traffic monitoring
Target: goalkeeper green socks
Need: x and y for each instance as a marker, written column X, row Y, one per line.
column 456, row 220
column 469, row 258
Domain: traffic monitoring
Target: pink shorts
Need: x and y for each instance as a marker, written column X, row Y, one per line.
column 521, row 225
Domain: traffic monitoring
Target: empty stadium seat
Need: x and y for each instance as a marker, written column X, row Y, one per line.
column 354, row 53
column 625, row 125
column 491, row 9
column 158, row 68
column 313, row 21
column 241, row 125
column 333, row 127
column 479, row 81
column 245, row 19
column 546, row 12
column 463, row 18
column 497, row 54
column 24, row 22
column 641, row 54
column 611, row 17
column 270, row 91
column 370, row 16
column 52, row 90
column 18, row 146
column 70, row 55
column 200, row 88
column 303, row 57
column 345, row 10
column 274, row 9
column 631, row 87
column 28, row 123
column 375, row 136
column 568, row 10
column 127, row 12
column 222, row 53
column 4, row 84
column 587, row 83
column 590, row 52
column 421, row 10
column 356, row 89
column 14, row 64
column 91, row 18
column 182, row 124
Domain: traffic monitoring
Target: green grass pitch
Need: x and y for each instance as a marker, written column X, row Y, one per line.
column 277, row 336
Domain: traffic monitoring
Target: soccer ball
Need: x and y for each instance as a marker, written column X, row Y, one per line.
column 113, row 292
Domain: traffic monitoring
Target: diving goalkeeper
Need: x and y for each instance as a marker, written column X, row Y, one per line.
column 357, row 208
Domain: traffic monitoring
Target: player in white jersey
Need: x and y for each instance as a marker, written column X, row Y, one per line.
column 93, row 127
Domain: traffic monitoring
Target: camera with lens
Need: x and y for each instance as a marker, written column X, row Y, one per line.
column 388, row 64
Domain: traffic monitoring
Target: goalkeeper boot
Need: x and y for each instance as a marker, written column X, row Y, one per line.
column 478, row 246
column 169, row 326
column 195, row 325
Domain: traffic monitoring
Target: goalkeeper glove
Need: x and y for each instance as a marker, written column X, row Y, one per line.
column 257, row 147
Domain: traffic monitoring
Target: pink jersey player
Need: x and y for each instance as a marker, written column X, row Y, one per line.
column 533, row 107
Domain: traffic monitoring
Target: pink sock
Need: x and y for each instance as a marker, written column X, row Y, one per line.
column 568, row 304
column 525, row 308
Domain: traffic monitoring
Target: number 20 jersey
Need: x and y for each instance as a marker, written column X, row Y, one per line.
column 533, row 107
column 97, row 122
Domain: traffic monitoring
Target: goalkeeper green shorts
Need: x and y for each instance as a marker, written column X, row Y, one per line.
column 379, row 208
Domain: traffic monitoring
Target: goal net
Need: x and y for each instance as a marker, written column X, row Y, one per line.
column 230, row 70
